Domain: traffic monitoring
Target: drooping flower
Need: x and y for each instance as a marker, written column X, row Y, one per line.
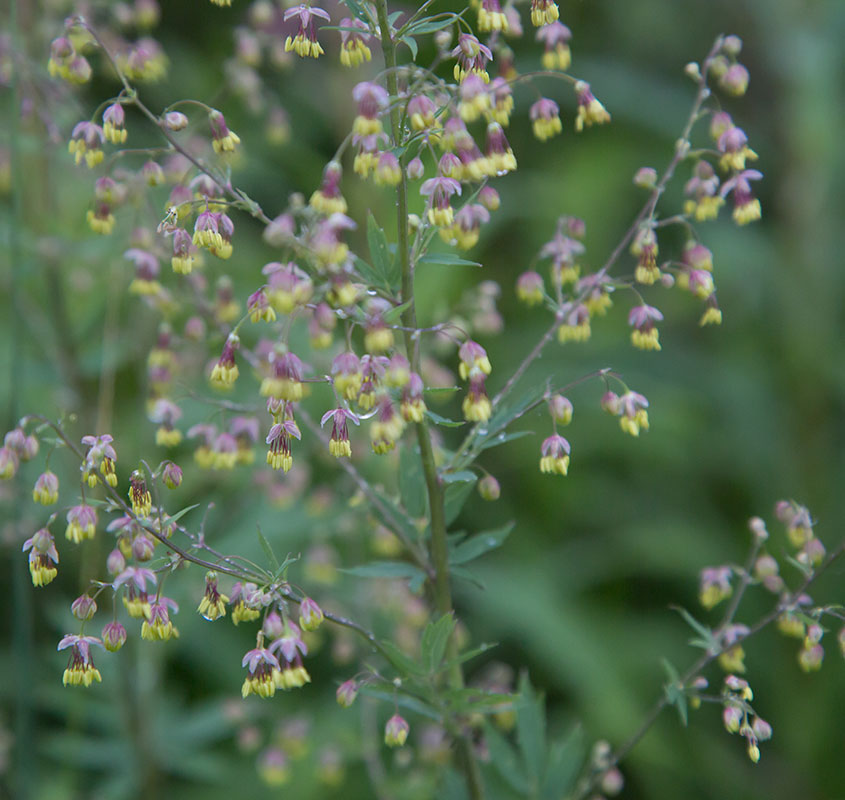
column 289, row 649
column 347, row 375
column 305, row 43
column 328, row 199
column 575, row 326
column 135, row 580
column 225, row 371
column 157, row 626
column 413, row 405
column 353, row 44
column 633, row 410
column 543, row 12
column 246, row 600
column 310, row 615
column 262, row 671
column 555, row 455
column 86, row 143
column 714, row 586
column 80, row 670
column 113, row 120
column 339, row 445
column 644, row 334
column 590, row 110
column 557, row 55
column 114, row 636
column 279, row 455
column 491, row 17
column 46, row 489
column 545, row 118
column 472, row 58
column 223, row 140
column 372, row 99
column 43, row 556
column 746, row 206
column 396, row 731
column 387, row 426
column 81, row 523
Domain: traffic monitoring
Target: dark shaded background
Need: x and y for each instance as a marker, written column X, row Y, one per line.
column 742, row 415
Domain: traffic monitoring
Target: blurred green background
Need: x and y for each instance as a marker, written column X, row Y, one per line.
column 742, row 416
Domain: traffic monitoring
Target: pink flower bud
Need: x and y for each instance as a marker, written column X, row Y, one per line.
column 175, row 121
column 115, row 563
column 84, row 607
column 346, row 693
column 396, row 731
column 310, row 615
column 172, row 475
column 114, row 636
column 645, row 178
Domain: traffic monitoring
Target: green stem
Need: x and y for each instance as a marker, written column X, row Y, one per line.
column 439, row 551
column 442, row 589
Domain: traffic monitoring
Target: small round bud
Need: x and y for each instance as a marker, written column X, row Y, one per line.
column 784, row 510
column 416, row 169
column 142, row 547
column 396, row 731
column 346, row 693
column 84, row 607
column 645, row 177
column 560, row 408
column 443, row 38
column 735, row 80
column 693, row 70
column 175, row 121
column 610, row 402
column 413, row 222
column 667, row 280
column 762, row 730
column 719, row 66
column 758, row 528
column 731, row 718
column 488, row 488
column 115, row 563
column 612, row 782
column 172, row 475
column 114, row 636
column 682, row 147
column 732, row 45
column 310, row 615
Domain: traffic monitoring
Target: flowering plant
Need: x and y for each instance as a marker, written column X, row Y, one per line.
column 324, row 355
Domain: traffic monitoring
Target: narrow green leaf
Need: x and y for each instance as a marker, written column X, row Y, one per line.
column 469, row 654
column 412, row 488
column 434, row 640
column 565, row 761
column 454, row 497
column 462, row 573
column 405, row 665
column 384, row 262
column 446, row 259
column 392, row 315
column 385, row 569
column 474, row 699
column 674, row 691
column 432, row 24
column 437, row 419
column 480, row 544
column 502, row 438
column 457, row 477
column 441, row 390
column 179, row 514
column 369, row 274
column 403, row 700
column 531, row 729
column 412, row 45
column 268, row 551
column 504, row 760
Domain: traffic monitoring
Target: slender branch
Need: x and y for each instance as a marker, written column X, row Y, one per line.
column 784, row 603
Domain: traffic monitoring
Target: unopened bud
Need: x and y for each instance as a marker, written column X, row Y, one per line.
column 84, row 607
column 610, row 402
column 310, row 615
column 732, row 45
column 560, row 408
column 346, row 693
column 416, row 169
column 735, row 80
column 172, row 475
column 115, row 563
column 693, row 70
column 645, row 177
column 488, row 488
column 732, row 718
column 175, row 121
column 114, row 636
column 758, row 528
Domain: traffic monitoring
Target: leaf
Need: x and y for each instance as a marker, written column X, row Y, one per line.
column 384, row 262
column 437, row 419
column 455, row 496
column 441, row 390
column 385, row 569
column 432, row 24
column 405, row 665
column 412, row 45
column 412, row 487
column 480, row 544
column 369, row 275
column 404, row 700
column 474, row 699
column 531, row 729
column 434, row 640
column 706, row 640
column 355, row 7
column 268, row 551
column 460, row 475
column 674, row 691
column 502, row 438
column 392, row 315
column 463, row 573
column 179, row 514
column 504, row 760
column 565, row 761
column 446, row 259
column 469, row 654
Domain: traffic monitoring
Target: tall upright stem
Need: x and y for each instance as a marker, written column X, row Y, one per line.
column 438, row 548
column 439, row 551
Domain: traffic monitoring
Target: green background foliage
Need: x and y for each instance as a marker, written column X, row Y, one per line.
column 742, row 415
